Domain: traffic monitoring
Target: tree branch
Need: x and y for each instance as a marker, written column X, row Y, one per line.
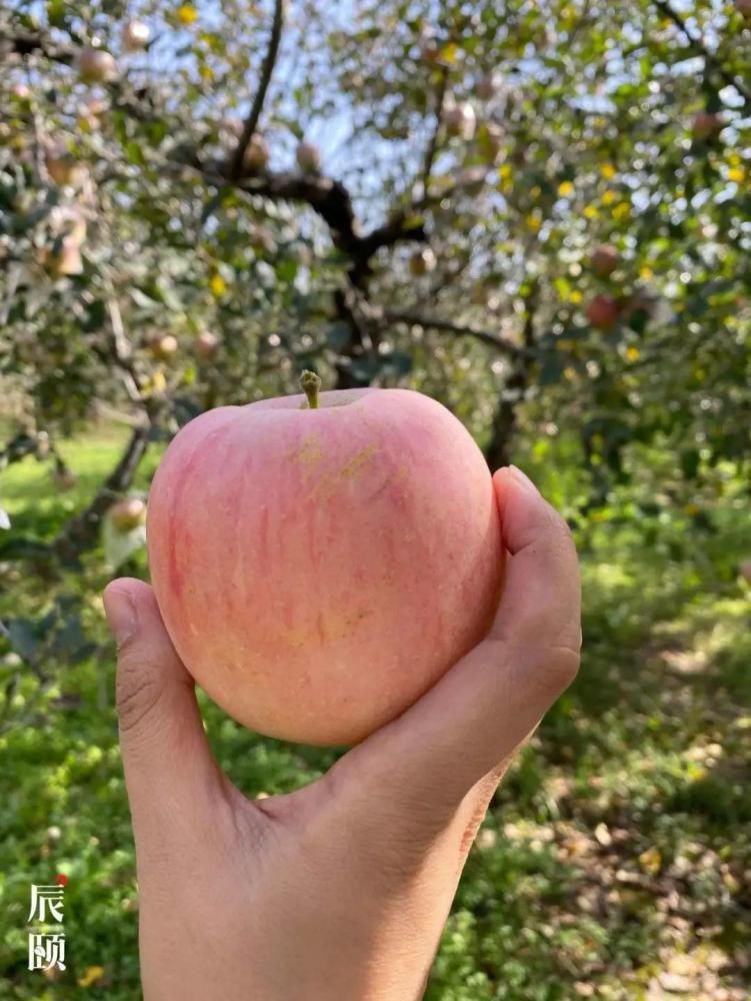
column 251, row 122
column 415, row 318
column 430, row 152
column 697, row 46
column 82, row 531
column 498, row 450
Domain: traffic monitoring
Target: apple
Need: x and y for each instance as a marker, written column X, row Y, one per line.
column 96, row 65
column 68, row 222
column 61, row 165
column 603, row 312
column 135, row 36
column 256, row 154
column 460, row 120
column 605, row 260
column 127, row 514
column 706, row 124
column 163, row 347
column 206, row 345
column 422, row 261
column 488, row 86
column 320, row 564
column 63, row 259
column 308, row 158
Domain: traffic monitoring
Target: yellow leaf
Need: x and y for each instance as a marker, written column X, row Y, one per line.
column 737, row 174
column 608, row 197
column 650, row 861
column 645, row 272
column 591, row 211
column 450, row 53
column 187, row 14
column 91, row 975
column 534, row 221
column 218, row 285
column 608, row 171
column 205, row 72
column 569, row 373
column 692, row 509
column 565, row 188
column 575, row 296
column 622, row 210
column 632, row 353
column 505, row 171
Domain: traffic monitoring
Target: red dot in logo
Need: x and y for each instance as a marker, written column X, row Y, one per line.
column 61, row 879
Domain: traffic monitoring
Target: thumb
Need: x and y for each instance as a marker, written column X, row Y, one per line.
column 171, row 778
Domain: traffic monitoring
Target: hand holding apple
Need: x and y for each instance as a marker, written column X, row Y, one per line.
column 363, row 864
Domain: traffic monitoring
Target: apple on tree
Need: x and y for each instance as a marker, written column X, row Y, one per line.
column 163, row 346
column 302, row 548
column 706, row 125
column 460, row 120
column 308, row 158
column 61, row 165
column 422, row 261
column 207, row 345
column 96, row 65
column 127, row 514
column 257, row 154
column 135, row 36
column 605, row 260
column 603, row 312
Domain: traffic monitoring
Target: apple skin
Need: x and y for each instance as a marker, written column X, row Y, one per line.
column 603, row 312
column 318, row 570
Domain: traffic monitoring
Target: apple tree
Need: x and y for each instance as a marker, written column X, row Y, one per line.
column 538, row 214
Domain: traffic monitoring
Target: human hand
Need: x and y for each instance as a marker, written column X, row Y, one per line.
column 341, row 889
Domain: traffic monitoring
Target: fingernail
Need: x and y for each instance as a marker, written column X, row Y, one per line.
column 121, row 613
column 522, row 478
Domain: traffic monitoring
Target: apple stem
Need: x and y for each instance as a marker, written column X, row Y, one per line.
column 310, row 384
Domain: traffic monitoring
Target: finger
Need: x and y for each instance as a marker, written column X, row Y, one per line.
column 171, row 777
column 480, row 712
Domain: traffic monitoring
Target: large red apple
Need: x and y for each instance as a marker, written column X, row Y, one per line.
column 318, row 569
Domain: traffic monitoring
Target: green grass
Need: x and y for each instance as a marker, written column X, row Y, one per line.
column 616, row 856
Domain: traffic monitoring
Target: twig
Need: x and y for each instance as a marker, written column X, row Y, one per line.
column 430, row 152
column 696, row 44
column 418, row 319
column 81, row 531
column 251, row 122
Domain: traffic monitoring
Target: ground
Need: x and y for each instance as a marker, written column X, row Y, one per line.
column 616, row 860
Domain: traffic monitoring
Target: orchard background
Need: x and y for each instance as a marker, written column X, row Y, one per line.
column 540, row 214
